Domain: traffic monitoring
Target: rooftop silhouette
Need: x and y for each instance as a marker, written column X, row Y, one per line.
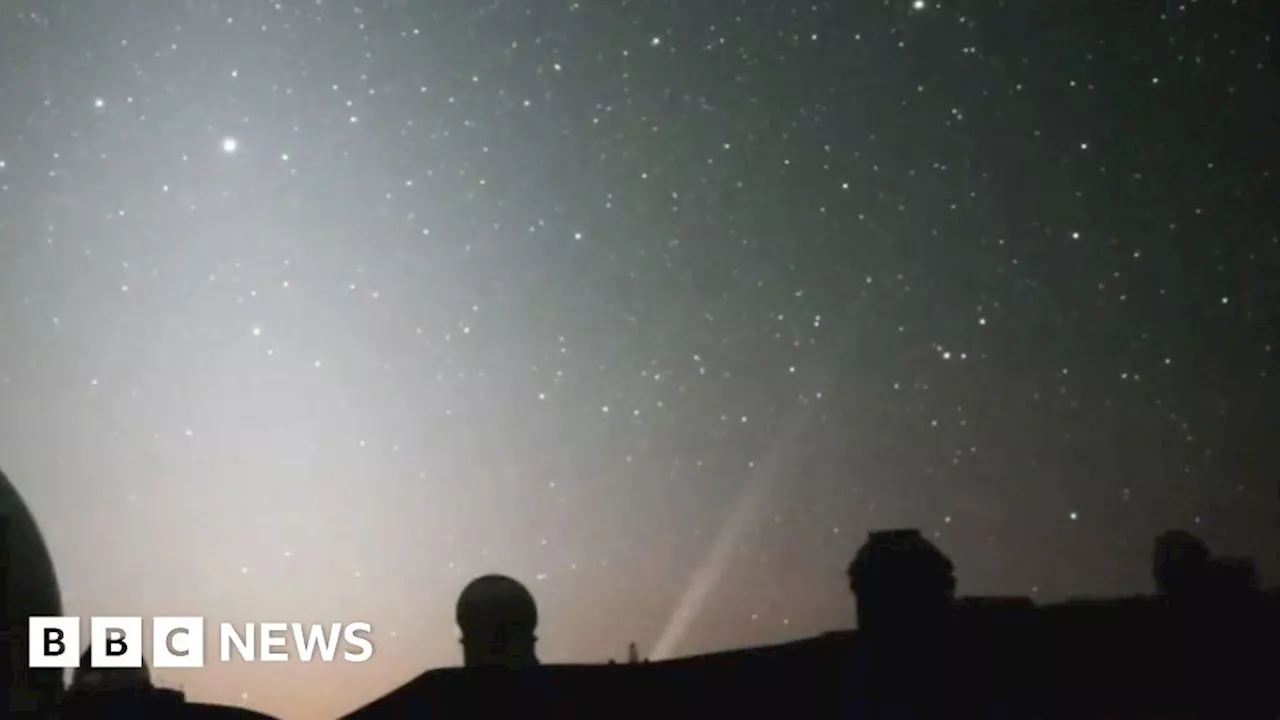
column 919, row 651
column 88, row 679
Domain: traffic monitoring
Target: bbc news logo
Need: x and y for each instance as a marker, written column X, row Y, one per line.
column 178, row 642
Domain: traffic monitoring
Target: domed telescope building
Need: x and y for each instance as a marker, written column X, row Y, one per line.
column 498, row 618
column 30, row 589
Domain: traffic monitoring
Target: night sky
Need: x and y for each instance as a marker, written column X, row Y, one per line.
column 315, row 310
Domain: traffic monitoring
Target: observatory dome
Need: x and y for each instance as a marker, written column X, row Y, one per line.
column 32, row 591
column 496, row 600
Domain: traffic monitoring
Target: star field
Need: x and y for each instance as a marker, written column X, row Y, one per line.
column 315, row 309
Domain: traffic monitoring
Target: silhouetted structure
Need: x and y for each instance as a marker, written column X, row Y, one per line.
column 1180, row 564
column 1234, row 577
column 88, row 679
column 99, row 692
column 903, row 583
column 498, row 619
column 905, row 590
column 30, row 589
column 150, row 702
column 129, row 692
column 980, row 657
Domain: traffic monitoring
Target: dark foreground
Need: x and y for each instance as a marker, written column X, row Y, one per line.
column 1206, row 646
column 1131, row 658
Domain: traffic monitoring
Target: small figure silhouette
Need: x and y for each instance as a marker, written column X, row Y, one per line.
column 498, row 618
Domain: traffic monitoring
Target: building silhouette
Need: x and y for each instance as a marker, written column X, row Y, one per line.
column 89, row 679
column 498, row 618
column 919, row 651
column 903, row 583
column 905, row 592
column 1180, row 564
column 131, row 692
column 95, row 692
column 30, row 589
